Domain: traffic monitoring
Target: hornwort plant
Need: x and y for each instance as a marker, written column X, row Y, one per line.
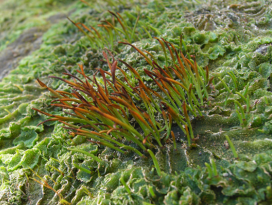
column 232, row 147
column 238, row 107
column 44, row 183
column 103, row 113
column 110, row 31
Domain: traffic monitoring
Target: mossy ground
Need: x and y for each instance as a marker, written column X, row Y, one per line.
column 228, row 36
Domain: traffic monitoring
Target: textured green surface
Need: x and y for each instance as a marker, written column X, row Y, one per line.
column 228, row 36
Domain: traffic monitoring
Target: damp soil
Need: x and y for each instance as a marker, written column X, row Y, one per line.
column 29, row 41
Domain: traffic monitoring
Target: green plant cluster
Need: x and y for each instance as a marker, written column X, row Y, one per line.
column 47, row 164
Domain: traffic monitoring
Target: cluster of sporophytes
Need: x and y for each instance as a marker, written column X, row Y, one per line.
column 117, row 28
column 239, row 109
column 103, row 112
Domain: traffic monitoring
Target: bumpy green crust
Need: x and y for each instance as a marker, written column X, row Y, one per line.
column 228, row 36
